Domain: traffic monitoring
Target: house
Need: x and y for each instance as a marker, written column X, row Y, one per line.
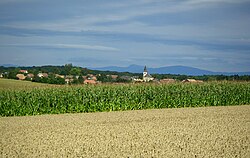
column 89, row 82
column 192, row 81
column 59, row 76
column 24, row 71
column 31, row 76
column 94, row 78
column 137, row 80
column 91, row 77
column 189, row 80
column 45, row 75
column 69, row 80
column 42, row 75
column 112, row 76
column 20, row 76
column 146, row 76
column 1, row 75
column 167, row 80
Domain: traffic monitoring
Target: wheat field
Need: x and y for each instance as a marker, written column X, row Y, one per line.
column 183, row 132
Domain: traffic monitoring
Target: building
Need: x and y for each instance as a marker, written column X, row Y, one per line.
column 69, row 79
column 146, row 76
column 167, row 80
column 20, row 76
column 30, row 76
column 59, row 76
column 42, row 75
column 192, row 81
column 89, row 82
column 24, row 71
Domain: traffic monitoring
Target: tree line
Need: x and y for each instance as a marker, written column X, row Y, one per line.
column 102, row 76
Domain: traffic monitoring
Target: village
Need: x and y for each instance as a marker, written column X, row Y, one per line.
column 23, row 74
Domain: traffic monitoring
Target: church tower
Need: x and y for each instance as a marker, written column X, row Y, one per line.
column 145, row 72
column 146, row 76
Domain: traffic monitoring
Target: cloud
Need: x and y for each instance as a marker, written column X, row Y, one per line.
column 163, row 31
column 236, row 44
column 64, row 46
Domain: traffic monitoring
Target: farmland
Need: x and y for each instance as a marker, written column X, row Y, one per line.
column 10, row 84
column 207, row 127
column 107, row 97
column 184, row 132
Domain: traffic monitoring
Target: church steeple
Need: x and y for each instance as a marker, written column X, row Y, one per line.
column 145, row 72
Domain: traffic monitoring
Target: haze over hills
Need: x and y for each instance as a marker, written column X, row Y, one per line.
column 9, row 65
column 182, row 70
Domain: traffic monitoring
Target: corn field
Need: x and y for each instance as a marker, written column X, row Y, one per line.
column 97, row 98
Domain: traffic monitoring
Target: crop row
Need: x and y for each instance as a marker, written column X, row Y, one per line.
column 77, row 99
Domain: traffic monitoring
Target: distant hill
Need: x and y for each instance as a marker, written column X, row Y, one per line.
column 182, row 70
column 8, row 65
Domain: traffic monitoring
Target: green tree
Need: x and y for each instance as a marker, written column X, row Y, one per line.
column 75, row 71
column 80, row 79
column 67, row 68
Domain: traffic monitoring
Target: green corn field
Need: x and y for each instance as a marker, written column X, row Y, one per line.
column 98, row 98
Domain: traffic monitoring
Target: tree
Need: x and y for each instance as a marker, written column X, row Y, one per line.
column 12, row 73
column 67, row 68
column 80, row 79
column 75, row 71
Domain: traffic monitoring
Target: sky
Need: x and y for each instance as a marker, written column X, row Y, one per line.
column 207, row 34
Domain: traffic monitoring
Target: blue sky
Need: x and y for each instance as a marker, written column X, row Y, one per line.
column 208, row 34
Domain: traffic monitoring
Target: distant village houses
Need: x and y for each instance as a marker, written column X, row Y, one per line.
column 69, row 79
column 59, row 76
column 89, row 81
column 191, row 81
column 114, row 77
column 24, row 71
column 42, row 75
column 20, row 76
column 30, row 76
column 167, row 80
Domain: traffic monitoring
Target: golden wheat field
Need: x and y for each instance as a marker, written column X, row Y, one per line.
column 183, row 132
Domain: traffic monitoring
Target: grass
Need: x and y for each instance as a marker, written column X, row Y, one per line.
column 10, row 84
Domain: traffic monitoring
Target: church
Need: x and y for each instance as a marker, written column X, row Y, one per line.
column 146, row 76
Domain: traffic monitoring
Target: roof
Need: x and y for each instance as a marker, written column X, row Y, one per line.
column 30, row 75
column 20, row 76
column 167, row 80
column 148, row 75
column 189, row 80
column 23, row 71
column 89, row 81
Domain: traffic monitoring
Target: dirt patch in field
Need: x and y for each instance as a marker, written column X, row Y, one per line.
column 185, row 132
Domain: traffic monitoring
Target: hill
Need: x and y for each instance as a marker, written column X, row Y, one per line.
column 182, row 70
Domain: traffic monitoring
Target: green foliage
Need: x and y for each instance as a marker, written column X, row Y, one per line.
column 71, row 99
column 80, row 79
column 75, row 71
